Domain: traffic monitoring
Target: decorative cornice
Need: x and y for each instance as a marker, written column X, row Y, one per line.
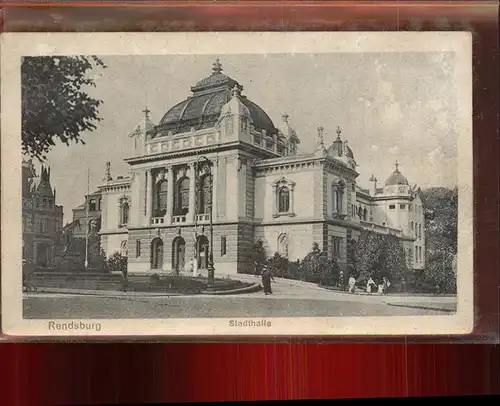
column 116, row 188
column 297, row 162
column 202, row 150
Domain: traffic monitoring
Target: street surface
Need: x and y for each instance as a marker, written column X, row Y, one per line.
column 289, row 299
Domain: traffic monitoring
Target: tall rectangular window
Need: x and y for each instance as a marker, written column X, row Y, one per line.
column 223, row 246
column 137, row 248
column 336, row 246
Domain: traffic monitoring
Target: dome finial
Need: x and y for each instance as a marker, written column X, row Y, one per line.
column 217, row 67
column 285, row 117
column 146, row 112
column 339, row 131
column 397, row 166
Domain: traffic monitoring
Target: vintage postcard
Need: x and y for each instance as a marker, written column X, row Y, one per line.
column 236, row 184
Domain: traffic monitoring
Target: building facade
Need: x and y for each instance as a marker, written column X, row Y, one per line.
column 216, row 161
column 85, row 221
column 42, row 217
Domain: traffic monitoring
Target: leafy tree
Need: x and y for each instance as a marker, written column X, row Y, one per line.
column 441, row 219
column 331, row 273
column 352, row 260
column 96, row 254
column 311, row 265
column 258, row 256
column 278, row 264
column 439, row 275
column 55, row 102
column 378, row 256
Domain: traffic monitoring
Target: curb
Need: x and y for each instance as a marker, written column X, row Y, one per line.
column 106, row 293
column 438, row 309
column 115, row 293
column 249, row 289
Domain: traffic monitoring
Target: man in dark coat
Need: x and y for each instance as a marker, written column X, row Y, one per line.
column 266, row 281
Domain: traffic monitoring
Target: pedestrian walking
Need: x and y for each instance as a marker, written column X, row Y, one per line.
column 266, row 281
column 385, row 285
column 369, row 285
column 352, row 284
column 341, row 281
column 124, row 279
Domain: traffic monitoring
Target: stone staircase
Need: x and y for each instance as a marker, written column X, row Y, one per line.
column 80, row 280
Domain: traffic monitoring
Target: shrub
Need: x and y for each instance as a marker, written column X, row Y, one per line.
column 117, row 263
column 257, row 258
column 314, row 265
column 439, row 275
column 278, row 265
column 331, row 273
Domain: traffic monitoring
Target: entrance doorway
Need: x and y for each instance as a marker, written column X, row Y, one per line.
column 178, row 254
column 157, row 253
column 202, row 250
column 43, row 254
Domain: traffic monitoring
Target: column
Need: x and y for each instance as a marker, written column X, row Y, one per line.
column 215, row 172
column 170, row 194
column 274, row 202
column 149, row 197
column 104, row 211
column 192, row 193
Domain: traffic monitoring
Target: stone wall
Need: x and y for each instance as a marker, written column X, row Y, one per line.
column 225, row 262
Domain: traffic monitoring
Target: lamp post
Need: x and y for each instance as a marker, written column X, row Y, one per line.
column 210, row 267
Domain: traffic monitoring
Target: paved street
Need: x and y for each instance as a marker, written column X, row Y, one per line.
column 290, row 298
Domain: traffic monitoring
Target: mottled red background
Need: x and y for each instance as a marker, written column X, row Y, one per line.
column 44, row 374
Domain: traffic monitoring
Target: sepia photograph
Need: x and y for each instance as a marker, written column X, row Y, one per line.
column 237, row 183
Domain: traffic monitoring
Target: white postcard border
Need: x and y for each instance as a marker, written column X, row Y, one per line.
column 16, row 45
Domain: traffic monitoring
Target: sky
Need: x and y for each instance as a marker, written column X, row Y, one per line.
column 390, row 107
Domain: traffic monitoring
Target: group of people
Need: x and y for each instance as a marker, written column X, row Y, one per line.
column 371, row 286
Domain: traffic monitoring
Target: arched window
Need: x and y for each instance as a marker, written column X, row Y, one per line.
column 338, row 198
column 123, row 248
column 283, row 245
column 283, row 200
column 365, row 214
column 124, row 212
column 205, row 195
column 161, row 198
column 182, row 196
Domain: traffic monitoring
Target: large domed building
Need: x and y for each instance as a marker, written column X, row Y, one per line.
column 217, row 168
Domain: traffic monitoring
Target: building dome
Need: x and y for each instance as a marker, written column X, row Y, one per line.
column 397, row 178
column 235, row 105
column 203, row 108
